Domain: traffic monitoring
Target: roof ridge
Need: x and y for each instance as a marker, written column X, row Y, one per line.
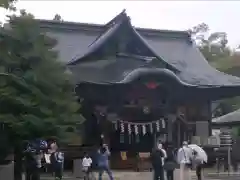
column 110, row 30
column 120, row 17
column 97, row 43
column 116, row 18
column 76, row 26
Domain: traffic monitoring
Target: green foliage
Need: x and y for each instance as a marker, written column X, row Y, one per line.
column 57, row 17
column 7, row 4
column 36, row 93
column 214, row 47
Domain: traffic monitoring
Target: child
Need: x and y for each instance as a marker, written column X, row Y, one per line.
column 86, row 165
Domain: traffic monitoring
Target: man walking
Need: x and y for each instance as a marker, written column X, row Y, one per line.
column 158, row 156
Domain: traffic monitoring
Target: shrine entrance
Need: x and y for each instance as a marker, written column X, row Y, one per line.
column 128, row 141
column 132, row 119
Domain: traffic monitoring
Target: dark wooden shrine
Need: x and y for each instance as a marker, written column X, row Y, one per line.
column 137, row 86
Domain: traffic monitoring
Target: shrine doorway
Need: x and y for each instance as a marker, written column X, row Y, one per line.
column 179, row 133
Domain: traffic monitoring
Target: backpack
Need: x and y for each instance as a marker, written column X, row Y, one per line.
column 156, row 157
column 57, row 157
column 170, row 162
column 196, row 159
column 170, row 155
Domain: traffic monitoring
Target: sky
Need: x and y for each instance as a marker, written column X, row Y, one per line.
column 221, row 16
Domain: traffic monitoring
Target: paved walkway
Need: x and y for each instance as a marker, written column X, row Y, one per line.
column 148, row 176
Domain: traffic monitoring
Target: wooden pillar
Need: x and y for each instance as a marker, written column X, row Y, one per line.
column 179, row 133
column 209, row 107
column 170, row 120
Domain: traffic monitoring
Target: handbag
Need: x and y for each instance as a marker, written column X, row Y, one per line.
column 170, row 165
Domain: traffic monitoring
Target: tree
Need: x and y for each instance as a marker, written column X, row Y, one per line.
column 36, row 93
column 214, row 47
column 7, row 4
column 57, row 17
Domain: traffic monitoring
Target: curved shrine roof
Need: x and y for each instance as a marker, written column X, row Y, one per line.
column 228, row 119
column 173, row 49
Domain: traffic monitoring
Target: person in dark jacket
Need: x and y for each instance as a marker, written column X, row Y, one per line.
column 31, row 165
column 170, row 162
column 57, row 161
column 157, row 157
column 33, row 155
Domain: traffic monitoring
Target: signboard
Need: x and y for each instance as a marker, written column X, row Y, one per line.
column 123, row 155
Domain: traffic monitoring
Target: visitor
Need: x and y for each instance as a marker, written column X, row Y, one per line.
column 86, row 165
column 33, row 165
column 235, row 155
column 57, row 160
column 158, row 156
column 198, row 164
column 170, row 162
column 103, row 164
column 33, row 159
column 184, row 158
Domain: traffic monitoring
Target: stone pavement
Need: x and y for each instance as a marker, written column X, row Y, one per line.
column 148, row 176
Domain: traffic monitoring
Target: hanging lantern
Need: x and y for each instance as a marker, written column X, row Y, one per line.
column 129, row 133
column 143, row 129
column 122, row 127
column 163, row 123
column 136, row 129
column 136, row 133
column 129, row 129
column 158, row 126
column 151, row 128
column 122, row 133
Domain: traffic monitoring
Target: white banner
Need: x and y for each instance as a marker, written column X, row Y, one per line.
column 149, row 126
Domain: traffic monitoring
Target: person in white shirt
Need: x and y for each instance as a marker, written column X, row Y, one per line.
column 184, row 158
column 160, row 147
column 86, row 165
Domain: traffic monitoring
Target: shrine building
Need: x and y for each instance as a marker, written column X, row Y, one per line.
column 138, row 86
